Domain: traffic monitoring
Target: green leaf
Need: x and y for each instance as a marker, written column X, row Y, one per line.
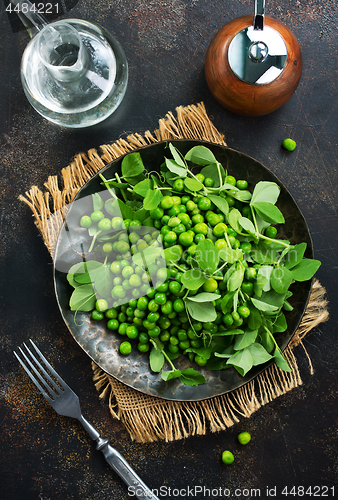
column 294, row 255
column 220, row 203
column 193, row 279
column 103, row 281
column 227, row 302
column 242, row 361
column 200, row 155
column 143, row 187
column 259, row 354
column 242, row 195
column 207, row 256
column 173, row 253
column 205, row 297
column 153, row 199
column 132, row 165
column 201, row 311
column 244, row 340
column 175, row 167
column 204, row 352
column 177, row 156
column 263, row 306
column 305, row 269
column 233, row 218
column 235, row 280
column 267, row 340
column 263, row 254
column 83, row 298
column 156, row 360
column 255, row 319
column 280, row 324
column 281, row 361
column 193, row 184
column 247, row 224
column 124, row 210
column 84, row 272
column 262, row 283
column 269, row 212
column 230, row 255
column 192, row 377
column 281, row 278
column 171, row 374
column 265, row 191
column 97, row 202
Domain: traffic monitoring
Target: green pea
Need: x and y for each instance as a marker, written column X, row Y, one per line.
column 244, row 437
column 289, row 144
column 97, row 315
column 85, row 221
column 227, row 457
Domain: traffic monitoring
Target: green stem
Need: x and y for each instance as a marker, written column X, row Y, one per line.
column 286, row 245
column 93, row 241
column 108, row 187
column 219, row 174
column 164, row 353
column 188, row 315
column 122, row 190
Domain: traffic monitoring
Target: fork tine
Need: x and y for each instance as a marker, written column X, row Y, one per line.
column 50, row 368
column 57, row 390
column 31, row 376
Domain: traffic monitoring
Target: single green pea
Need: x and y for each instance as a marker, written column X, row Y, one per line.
column 101, row 305
column 97, row 315
column 125, row 348
column 113, row 324
column 200, row 360
column 289, row 144
column 85, row 221
column 178, row 305
column 167, row 202
column 210, row 285
column 116, row 223
column 143, row 347
column 230, row 179
column 209, row 182
column 97, row 216
column 178, row 185
column 244, row 437
column 104, row 224
column 227, row 457
column 271, row 232
column 244, row 311
column 132, row 331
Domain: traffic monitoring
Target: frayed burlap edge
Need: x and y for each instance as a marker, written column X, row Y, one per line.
column 148, row 418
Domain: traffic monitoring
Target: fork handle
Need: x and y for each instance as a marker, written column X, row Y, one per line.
column 118, row 463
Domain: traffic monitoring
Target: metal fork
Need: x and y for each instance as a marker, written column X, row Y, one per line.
column 66, row 402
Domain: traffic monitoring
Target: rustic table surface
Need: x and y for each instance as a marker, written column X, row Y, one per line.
column 295, row 442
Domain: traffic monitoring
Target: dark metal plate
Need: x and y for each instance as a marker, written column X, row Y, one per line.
column 102, row 345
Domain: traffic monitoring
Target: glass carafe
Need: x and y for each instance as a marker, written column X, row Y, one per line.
column 73, row 72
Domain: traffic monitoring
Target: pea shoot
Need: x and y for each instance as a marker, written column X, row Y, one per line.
column 189, row 263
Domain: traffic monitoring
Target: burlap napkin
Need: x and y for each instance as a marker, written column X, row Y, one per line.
column 145, row 417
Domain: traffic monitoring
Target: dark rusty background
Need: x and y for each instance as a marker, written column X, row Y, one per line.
column 44, row 456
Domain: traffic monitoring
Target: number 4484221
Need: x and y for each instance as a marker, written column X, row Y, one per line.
column 39, row 8
column 311, row 491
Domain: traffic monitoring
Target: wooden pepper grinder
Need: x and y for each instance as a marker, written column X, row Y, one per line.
column 253, row 64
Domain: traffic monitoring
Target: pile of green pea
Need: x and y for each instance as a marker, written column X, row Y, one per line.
column 181, row 219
